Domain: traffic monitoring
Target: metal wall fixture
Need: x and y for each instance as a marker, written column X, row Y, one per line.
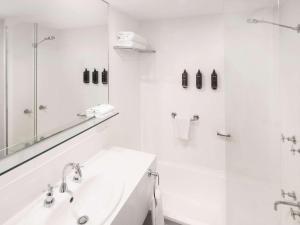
column 27, row 111
column 294, row 213
column 223, row 135
column 291, row 195
column 290, row 139
column 193, row 119
column 42, row 107
column 153, row 174
column 293, row 150
column 255, row 21
column 286, row 203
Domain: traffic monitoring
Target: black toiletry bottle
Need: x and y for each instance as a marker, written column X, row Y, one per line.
column 104, row 77
column 185, row 79
column 95, row 76
column 86, row 76
column 214, row 80
column 199, row 80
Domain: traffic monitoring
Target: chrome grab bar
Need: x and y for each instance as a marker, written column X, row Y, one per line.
column 223, row 135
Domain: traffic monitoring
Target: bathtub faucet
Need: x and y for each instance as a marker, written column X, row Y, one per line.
column 295, row 204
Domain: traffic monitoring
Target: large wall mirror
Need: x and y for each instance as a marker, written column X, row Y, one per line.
column 45, row 48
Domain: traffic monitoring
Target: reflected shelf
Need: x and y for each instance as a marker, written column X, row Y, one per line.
column 135, row 49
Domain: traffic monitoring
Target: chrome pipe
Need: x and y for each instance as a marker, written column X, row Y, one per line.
column 297, row 28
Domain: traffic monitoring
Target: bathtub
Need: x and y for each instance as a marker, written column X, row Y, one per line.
column 192, row 195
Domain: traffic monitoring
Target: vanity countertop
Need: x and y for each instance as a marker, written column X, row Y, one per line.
column 117, row 163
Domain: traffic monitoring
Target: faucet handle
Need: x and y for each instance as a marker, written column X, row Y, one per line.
column 78, row 173
column 289, row 194
column 49, row 201
column 294, row 213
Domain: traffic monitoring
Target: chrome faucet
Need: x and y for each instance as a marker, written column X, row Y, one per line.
column 75, row 166
column 294, row 204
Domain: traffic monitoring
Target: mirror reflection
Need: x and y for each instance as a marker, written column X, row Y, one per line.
column 53, row 66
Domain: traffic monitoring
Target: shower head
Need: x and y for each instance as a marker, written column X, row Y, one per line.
column 49, row 38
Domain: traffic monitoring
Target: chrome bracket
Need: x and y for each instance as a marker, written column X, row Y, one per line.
column 294, row 213
column 154, row 174
column 193, row 119
column 292, row 194
column 290, row 139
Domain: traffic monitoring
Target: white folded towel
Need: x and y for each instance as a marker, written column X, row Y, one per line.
column 157, row 208
column 90, row 112
column 103, row 110
column 131, row 44
column 131, row 36
column 100, row 110
column 181, row 128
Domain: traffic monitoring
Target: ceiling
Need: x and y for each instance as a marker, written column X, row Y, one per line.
column 163, row 9
column 60, row 14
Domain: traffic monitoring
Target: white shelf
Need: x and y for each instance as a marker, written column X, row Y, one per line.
column 135, row 49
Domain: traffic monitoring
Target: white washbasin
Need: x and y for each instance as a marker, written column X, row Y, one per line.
column 96, row 197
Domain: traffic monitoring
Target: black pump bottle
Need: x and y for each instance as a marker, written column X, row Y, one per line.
column 185, row 79
column 199, row 80
column 86, row 76
column 214, row 80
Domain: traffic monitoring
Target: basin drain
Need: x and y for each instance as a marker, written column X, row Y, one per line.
column 83, row 220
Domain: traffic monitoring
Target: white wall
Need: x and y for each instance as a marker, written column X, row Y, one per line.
column 191, row 44
column 124, row 77
column 60, row 68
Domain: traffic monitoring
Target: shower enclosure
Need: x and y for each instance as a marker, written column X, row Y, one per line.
column 21, row 109
column 262, row 111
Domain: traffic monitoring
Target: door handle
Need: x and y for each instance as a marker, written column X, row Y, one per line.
column 27, row 111
column 42, row 107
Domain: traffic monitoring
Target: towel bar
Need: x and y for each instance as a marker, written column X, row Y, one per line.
column 193, row 119
column 223, row 135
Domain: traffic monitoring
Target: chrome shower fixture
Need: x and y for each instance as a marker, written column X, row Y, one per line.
column 49, row 38
column 254, row 21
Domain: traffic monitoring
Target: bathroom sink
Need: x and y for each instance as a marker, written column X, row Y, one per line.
column 93, row 202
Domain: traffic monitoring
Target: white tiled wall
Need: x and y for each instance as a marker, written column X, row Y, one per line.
column 191, row 44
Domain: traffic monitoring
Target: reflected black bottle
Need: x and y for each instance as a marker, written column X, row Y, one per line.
column 199, row 80
column 86, row 76
column 185, row 79
column 214, row 80
column 104, row 77
column 95, row 76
